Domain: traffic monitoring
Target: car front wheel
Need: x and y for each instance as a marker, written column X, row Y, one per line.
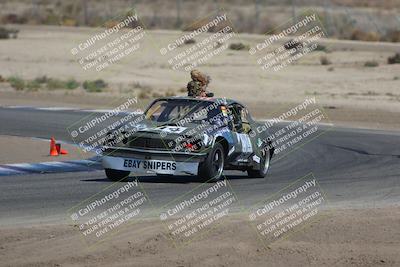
column 213, row 166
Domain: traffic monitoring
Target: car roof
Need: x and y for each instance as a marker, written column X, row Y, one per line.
column 227, row 101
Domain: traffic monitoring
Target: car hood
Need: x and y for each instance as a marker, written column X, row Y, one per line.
column 171, row 129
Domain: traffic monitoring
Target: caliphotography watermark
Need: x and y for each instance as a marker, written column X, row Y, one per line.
column 108, row 211
column 191, row 216
column 120, row 38
column 203, row 40
column 295, row 127
column 107, row 128
column 292, row 42
column 289, row 210
column 194, row 130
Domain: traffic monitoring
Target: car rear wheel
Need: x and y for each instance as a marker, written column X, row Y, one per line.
column 116, row 175
column 264, row 166
column 213, row 166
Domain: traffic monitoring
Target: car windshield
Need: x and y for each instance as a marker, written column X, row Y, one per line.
column 168, row 110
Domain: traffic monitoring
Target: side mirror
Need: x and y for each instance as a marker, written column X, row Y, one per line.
column 210, row 94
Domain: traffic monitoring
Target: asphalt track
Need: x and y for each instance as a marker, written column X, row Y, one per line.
column 356, row 168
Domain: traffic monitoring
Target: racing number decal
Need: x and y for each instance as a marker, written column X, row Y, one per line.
column 172, row 129
column 245, row 142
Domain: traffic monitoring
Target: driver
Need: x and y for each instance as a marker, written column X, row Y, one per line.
column 198, row 85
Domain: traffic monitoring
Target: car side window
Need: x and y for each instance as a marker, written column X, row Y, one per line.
column 245, row 120
column 245, row 115
column 235, row 112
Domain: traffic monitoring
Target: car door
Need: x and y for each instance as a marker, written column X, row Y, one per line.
column 243, row 147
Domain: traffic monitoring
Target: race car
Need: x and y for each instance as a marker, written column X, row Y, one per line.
column 189, row 136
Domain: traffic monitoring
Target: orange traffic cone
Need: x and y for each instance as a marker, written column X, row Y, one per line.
column 58, row 148
column 61, row 151
column 53, row 149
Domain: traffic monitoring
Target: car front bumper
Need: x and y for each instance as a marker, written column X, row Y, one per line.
column 150, row 166
column 144, row 161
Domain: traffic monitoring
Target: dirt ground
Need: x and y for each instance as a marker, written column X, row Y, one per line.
column 337, row 238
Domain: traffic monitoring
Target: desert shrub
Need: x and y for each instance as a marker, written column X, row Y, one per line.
column 144, row 94
column 69, row 22
column 138, row 85
column 169, row 92
column 134, row 23
column 51, row 18
column 331, row 69
column 111, row 23
column 190, row 41
column 394, row 59
column 4, row 33
column 324, row 60
column 156, row 95
column 53, row 84
column 321, row 47
column 8, row 33
column 72, row 84
column 217, row 44
column 14, row 19
column 16, row 82
column 360, row 35
column 371, row 63
column 392, row 36
column 41, row 79
column 68, row 8
column 2, row 80
column 94, row 86
column 239, row 46
column 370, row 93
column 33, row 85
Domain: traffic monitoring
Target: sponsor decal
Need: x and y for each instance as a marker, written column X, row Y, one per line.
column 245, row 142
column 150, row 164
column 172, row 129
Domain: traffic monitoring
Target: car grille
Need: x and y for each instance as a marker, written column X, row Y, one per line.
column 151, row 143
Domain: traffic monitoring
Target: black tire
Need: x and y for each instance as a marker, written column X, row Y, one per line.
column 264, row 167
column 213, row 166
column 116, row 175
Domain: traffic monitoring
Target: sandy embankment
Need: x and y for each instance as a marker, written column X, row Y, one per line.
column 20, row 149
column 367, row 237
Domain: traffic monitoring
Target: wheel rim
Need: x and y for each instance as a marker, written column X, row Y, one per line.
column 266, row 161
column 218, row 163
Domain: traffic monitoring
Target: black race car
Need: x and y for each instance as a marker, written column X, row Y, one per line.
column 189, row 136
